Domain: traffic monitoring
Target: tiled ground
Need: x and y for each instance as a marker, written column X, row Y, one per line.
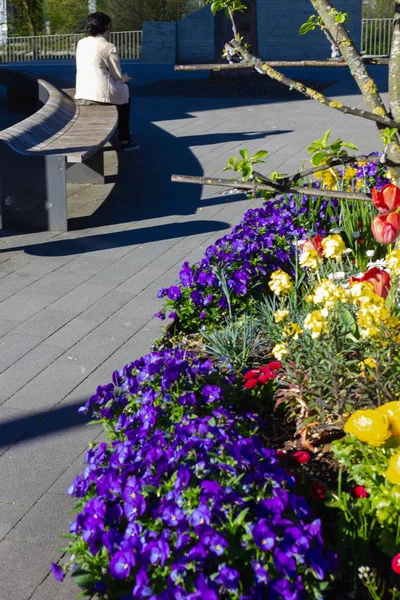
column 75, row 306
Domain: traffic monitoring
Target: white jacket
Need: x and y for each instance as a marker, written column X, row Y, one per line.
column 98, row 72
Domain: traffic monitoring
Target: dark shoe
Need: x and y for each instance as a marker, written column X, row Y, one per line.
column 129, row 147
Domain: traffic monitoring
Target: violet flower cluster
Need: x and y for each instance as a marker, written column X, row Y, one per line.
column 260, row 244
column 187, row 505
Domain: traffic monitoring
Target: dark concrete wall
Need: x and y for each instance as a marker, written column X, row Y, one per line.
column 199, row 38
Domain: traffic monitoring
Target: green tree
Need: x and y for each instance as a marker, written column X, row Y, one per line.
column 131, row 14
column 378, row 9
column 26, row 17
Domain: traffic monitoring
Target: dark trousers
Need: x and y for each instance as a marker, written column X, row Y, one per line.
column 124, row 113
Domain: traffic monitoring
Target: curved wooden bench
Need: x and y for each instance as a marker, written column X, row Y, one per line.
column 60, row 142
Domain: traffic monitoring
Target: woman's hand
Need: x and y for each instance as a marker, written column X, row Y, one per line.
column 126, row 78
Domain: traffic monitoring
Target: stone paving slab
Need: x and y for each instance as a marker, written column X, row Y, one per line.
column 77, row 305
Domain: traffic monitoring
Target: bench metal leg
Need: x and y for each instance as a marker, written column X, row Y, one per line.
column 33, row 194
column 90, row 171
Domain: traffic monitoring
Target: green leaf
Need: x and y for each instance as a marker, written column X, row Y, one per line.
column 325, row 138
column 241, row 516
column 244, row 154
column 260, row 154
column 247, row 170
column 349, row 145
column 318, row 158
column 85, row 581
column 307, row 27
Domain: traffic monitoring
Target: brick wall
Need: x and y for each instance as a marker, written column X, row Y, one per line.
column 195, row 38
column 159, row 43
column 278, row 21
column 278, row 26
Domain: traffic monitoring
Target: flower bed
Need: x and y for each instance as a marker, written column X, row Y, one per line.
column 248, row 468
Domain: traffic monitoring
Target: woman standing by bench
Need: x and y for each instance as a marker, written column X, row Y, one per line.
column 99, row 79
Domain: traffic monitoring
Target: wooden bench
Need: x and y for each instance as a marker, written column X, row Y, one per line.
column 61, row 142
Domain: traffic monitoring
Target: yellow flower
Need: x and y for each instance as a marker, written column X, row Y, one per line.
column 393, row 261
column 393, row 472
column 309, row 259
column 392, row 412
column 363, row 292
column 329, row 178
column 280, row 282
column 281, row 315
column 279, row 351
column 368, row 362
column 370, row 317
column 333, row 246
column 369, row 426
column 349, row 173
column 292, row 330
column 316, row 322
column 327, row 293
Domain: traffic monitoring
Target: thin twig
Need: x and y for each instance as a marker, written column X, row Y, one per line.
column 253, row 185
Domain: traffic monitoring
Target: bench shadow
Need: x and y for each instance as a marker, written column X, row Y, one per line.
column 25, row 428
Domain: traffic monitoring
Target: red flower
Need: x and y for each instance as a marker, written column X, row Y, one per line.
column 386, row 228
column 319, row 491
column 301, row 457
column 261, row 375
column 359, row 491
column 250, row 383
column 274, row 366
column 253, row 374
column 388, row 199
column 396, row 564
column 378, row 278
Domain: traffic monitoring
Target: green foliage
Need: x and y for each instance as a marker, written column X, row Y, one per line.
column 245, row 165
column 366, row 465
column 388, row 134
column 26, row 17
column 323, row 152
column 312, row 23
column 227, row 5
column 339, row 17
column 238, row 343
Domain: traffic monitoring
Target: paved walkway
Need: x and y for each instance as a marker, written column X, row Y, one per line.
column 75, row 306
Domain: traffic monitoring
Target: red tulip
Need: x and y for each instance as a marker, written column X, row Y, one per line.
column 319, row 491
column 388, row 199
column 313, row 244
column 301, row 457
column 386, row 228
column 378, row 278
column 281, row 455
column 359, row 491
column 396, row 564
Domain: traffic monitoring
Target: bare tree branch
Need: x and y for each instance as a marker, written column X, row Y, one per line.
column 254, row 186
column 349, row 52
column 394, row 67
column 263, row 68
column 336, row 162
column 278, row 63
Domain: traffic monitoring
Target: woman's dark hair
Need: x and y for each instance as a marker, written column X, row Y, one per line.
column 97, row 23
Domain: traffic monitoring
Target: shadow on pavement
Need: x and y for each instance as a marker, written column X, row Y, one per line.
column 40, row 424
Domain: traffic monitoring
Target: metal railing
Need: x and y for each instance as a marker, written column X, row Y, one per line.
column 376, row 36
column 62, row 46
